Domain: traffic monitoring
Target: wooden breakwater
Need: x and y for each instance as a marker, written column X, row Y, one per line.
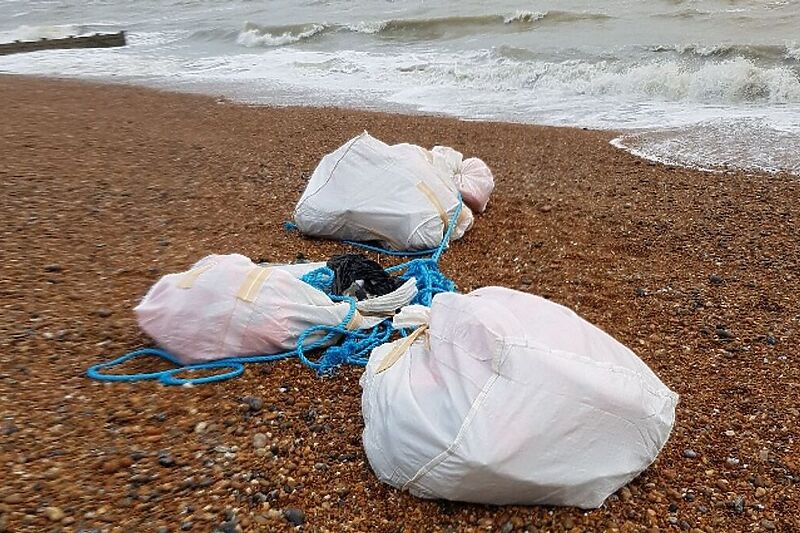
column 98, row 40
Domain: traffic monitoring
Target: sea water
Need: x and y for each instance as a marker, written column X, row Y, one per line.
column 704, row 83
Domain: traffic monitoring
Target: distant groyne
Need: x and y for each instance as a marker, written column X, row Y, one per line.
column 98, row 40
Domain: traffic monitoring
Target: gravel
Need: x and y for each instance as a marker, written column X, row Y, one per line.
column 112, row 171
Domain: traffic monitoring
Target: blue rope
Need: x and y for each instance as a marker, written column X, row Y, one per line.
column 353, row 350
column 320, row 278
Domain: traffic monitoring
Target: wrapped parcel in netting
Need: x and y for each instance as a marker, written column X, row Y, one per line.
column 228, row 306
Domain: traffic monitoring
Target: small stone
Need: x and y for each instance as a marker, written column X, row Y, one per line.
column 625, row 494
column 166, row 459
column 162, row 529
column 640, row 292
column 769, row 525
column 259, row 441
column 186, row 526
column 201, row 427
column 254, row 404
column 54, row 513
column 738, row 505
column 228, row 527
column 772, row 341
column 13, row 499
column 715, row 279
column 546, row 208
column 53, row 267
column 8, row 427
column 104, row 312
column 508, row 527
column 723, row 333
column 295, row 516
column 730, row 433
column 761, row 492
column 113, row 465
column 689, row 453
column 138, row 455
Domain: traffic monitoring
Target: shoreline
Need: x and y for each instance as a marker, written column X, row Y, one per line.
column 617, row 139
column 106, row 187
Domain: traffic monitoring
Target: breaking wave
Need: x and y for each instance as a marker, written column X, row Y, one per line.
column 787, row 52
column 254, row 35
column 730, row 81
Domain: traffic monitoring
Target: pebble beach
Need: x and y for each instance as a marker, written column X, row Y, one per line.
column 104, row 188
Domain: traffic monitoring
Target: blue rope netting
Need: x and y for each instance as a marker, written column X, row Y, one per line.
column 353, row 348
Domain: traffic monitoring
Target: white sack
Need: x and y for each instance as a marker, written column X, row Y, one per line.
column 226, row 306
column 472, row 177
column 367, row 190
column 298, row 270
column 509, row 398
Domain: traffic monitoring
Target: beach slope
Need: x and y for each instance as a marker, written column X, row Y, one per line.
column 105, row 188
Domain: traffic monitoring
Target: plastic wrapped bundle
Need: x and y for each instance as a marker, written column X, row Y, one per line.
column 227, row 306
column 472, row 176
column 502, row 397
column 402, row 195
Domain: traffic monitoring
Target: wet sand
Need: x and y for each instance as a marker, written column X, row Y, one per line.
column 105, row 188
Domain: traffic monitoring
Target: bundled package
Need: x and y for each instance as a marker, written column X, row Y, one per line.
column 227, row 306
column 402, row 195
column 502, row 397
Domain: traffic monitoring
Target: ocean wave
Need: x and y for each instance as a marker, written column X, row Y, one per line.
column 725, row 82
column 733, row 81
column 520, row 18
column 775, row 53
column 254, row 35
column 218, row 34
column 750, row 143
column 684, row 14
column 793, row 51
column 524, row 16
